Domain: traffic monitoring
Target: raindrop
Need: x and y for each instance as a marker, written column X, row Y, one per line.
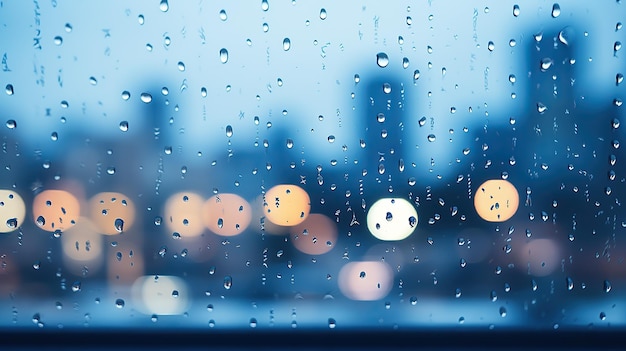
column 431, row 137
column 386, row 88
column 119, row 303
column 615, row 123
column 9, row 89
column 141, row 20
column 516, row 10
column 58, row 40
column 164, row 6
column 619, row 78
column 491, row 46
column 556, row 10
column 265, row 5
column 546, row 63
column 253, row 322
column 223, row 55
column 41, row 221
column 12, row 223
column 565, row 35
column 541, row 108
column 125, row 95
column 323, row 14
column 119, row 225
column 422, row 121
column 229, row 131
column 181, row 67
column 412, row 221
column 569, row 283
column 405, row 63
column 331, row 323
column 617, row 46
column 602, row 316
column 76, row 286
column 124, row 126
column 11, row 124
column 228, row 282
column 382, row 60
column 416, row 75
column 502, row 312
column 146, row 98
column 286, row 44
column 223, row 15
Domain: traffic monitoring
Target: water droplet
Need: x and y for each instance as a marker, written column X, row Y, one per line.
column 11, row 124
column 615, row 123
column 323, row 14
column 265, row 5
column 286, row 44
column 12, row 223
column 619, row 78
column 223, row 55
column 228, row 282
column 422, row 121
column 405, row 62
column 76, row 286
column 602, row 316
column 386, row 88
column 289, row 143
column 223, row 15
column 502, row 312
column 119, row 225
column 41, row 221
column 617, row 46
column 491, row 46
column 124, row 126
column 229, row 131
column 516, row 10
column 164, row 6
column 566, row 35
column 382, row 60
column 546, row 63
column 416, row 75
column 58, row 40
column 181, row 67
column 9, row 89
column 119, row 303
column 266, row 27
column 141, row 20
column 541, row 108
column 431, row 137
column 331, row 323
column 253, row 322
column 146, row 98
column 331, row 138
column 556, row 10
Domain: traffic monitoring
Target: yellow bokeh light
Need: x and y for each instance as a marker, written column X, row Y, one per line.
column 366, row 280
column 55, row 210
column 315, row 236
column 160, row 294
column 227, row 214
column 496, row 200
column 391, row 219
column 183, row 214
column 286, row 205
column 12, row 211
column 82, row 247
column 112, row 213
column 260, row 223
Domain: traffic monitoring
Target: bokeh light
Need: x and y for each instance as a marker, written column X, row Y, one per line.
column 391, row 219
column 539, row 257
column 12, row 211
column 261, row 224
column 227, row 214
column 496, row 200
column 160, row 295
column 366, row 280
column 112, row 213
column 287, row 205
column 82, row 248
column 55, row 210
column 183, row 214
column 315, row 236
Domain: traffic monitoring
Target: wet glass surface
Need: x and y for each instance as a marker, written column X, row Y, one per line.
column 292, row 166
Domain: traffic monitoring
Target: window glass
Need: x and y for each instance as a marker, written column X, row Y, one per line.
column 282, row 165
